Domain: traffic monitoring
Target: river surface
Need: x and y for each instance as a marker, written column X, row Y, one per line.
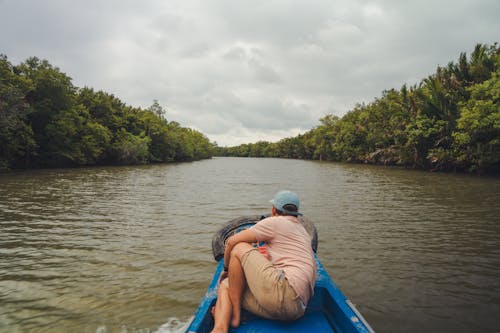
column 128, row 249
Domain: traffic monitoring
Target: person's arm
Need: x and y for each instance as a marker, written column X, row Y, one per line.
column 247, row 236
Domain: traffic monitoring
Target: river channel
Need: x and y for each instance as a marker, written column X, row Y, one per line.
column 128, row 249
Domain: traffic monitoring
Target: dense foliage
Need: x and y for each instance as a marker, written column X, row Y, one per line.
column 450, row 121
column 45, row 121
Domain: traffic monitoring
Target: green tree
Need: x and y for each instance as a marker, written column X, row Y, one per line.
column 483, row 62
column 104, row 108
column 477, row 139
column 158, row 110
column 127, row 148
column 74, row 139
column 51, row 93
column 17, row 143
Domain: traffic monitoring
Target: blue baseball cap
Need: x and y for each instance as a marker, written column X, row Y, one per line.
column 283, row 198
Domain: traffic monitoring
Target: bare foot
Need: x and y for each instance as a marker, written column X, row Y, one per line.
column 235, row 320
column 217, row 330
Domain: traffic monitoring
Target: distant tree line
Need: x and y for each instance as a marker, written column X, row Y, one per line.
column 45, row 121
column 449, row 121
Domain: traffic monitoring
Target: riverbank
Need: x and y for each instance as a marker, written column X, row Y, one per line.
column 47, row 122
column 447, row 122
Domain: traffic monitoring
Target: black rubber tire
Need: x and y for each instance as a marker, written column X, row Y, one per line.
column 243, row 222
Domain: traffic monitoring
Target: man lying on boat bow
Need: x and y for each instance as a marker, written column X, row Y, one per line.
column 274, row 283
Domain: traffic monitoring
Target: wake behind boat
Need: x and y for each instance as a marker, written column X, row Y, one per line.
column 327, row 311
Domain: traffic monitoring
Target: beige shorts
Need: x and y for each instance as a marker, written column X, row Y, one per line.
column 268, row 293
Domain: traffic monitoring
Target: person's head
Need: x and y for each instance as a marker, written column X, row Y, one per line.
column 286, row 203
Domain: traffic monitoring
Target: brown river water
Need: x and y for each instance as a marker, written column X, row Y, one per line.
column 128, row 249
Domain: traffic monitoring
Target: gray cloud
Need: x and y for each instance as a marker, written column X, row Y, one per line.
column 242, row 71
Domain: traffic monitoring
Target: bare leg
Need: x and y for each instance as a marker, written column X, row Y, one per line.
column 222, row 311
column 237, row 281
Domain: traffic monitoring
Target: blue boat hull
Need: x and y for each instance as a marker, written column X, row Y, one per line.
column 328, row 311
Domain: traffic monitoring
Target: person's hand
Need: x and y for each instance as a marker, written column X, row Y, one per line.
column 223, row 276
column 229, row 241
column 227, row 251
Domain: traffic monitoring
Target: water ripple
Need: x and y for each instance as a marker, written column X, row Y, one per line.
column 127, row 249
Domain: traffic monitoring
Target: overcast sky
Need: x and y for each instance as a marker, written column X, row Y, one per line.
column 243, row 71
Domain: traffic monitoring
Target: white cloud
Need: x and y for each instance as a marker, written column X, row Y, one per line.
column 242, row 71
